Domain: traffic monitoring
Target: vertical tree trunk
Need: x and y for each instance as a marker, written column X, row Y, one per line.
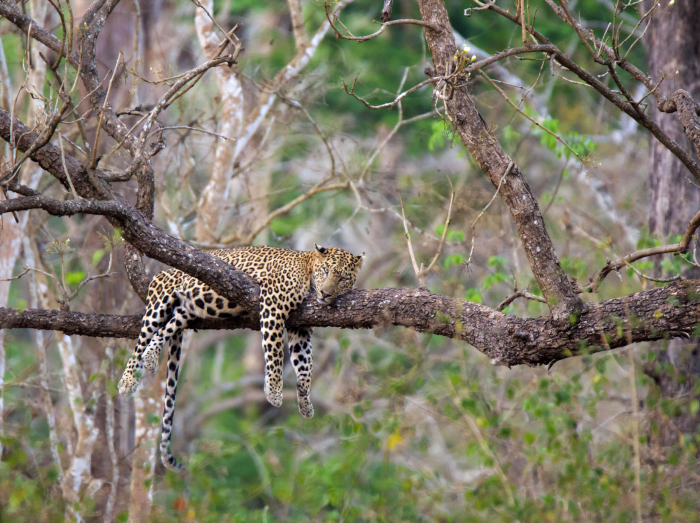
column 673, row 45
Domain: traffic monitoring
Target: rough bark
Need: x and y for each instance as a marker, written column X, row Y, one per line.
column 673, row 44
column 658, row 313
column 492, row 159
column 673, row 47
column 137, row 228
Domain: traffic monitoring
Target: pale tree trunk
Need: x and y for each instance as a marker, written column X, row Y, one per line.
column 12, row 231
column 673, row 44
column 146, row 402
column 76, row 480
column 149, row 401
column 215, row 196
column 38, row 294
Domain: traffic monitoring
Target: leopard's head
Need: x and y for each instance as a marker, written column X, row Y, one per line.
column 334, row 272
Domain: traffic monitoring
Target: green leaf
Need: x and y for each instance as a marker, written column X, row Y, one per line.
column 437, row 138
column 454, row 259
column 498, row 263
column 74, row 278
column 474, row 296
column 97, row 256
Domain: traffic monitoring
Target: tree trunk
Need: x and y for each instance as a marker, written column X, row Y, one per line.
column 673, row 45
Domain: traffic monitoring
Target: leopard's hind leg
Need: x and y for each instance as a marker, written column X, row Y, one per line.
column 300, row 354
column 158, row 313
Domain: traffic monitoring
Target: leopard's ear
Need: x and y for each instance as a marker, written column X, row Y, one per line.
column 360, row 259
column 322, row 251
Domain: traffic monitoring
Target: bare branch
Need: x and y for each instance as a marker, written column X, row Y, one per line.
column 493, row 198
column 359, row 39
column 535, row 122
column 93, row 162
column 674, row 248
column 493, row 160
column 424, row 271
column 664, row 104
column 519, row 294
column 421, row 282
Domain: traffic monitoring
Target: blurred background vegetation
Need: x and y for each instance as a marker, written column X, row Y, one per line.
column 408, row 427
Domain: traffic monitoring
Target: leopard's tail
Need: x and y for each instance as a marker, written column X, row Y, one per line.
column 169, row 405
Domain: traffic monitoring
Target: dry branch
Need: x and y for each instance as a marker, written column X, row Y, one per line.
column 674, row 248
column 493, row 160
column 659, row 313
column 629, row 108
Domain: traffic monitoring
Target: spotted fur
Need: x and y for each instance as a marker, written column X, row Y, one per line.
column 285, row 277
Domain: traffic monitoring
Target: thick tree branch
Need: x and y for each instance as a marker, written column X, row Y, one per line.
column 659, row 313
column 50, row 159
column 492, row 159
column 137, row 228
column 152, row 241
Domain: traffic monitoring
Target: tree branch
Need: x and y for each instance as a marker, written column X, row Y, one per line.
column 674, row 248
column 631, row 109
column 659, row 313
column 559, row 292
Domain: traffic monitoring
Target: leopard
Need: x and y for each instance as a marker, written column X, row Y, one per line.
column 285, row 277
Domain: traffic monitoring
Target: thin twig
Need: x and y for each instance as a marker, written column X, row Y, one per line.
column 520, row 294
column 93, row 161
column 556, row 136
column 408, row 240
column 382, row 28
column 674, row 248
column 473, row 228
column 65, row 169
column 425, row 271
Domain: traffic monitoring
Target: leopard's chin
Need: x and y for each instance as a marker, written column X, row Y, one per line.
column 325, row 301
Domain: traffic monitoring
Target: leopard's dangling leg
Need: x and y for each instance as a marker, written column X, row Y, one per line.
column 158, row 313
column 182, row 314
column 302, row 359
column 169, row 403
column 273, row 314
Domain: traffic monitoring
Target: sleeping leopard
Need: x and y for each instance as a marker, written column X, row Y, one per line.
column 285, row 277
